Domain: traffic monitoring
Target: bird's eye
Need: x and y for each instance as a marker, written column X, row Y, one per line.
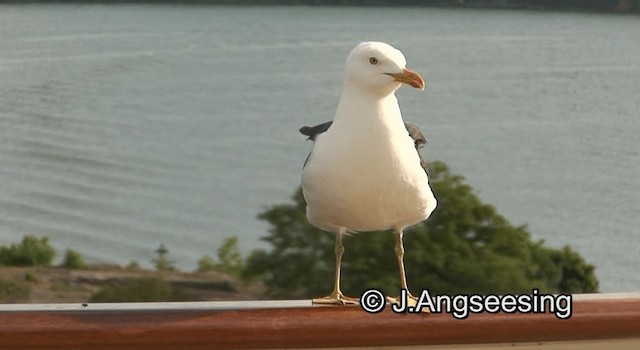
column 373, row 60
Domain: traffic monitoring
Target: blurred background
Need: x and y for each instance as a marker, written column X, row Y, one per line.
column 124, row 127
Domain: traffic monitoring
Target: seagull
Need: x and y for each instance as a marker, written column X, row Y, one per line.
column 364, row 172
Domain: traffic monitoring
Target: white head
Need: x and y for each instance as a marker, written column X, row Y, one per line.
column 379, row 68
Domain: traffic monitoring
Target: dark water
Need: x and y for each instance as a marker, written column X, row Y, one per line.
column 123, row 127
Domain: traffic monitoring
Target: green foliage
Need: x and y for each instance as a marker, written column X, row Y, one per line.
column 73, row 260
column 30, row 276
column 11, row 292
column 464, row 247
column 206, row 263
column 573, row 274
column 229, row 258
column 140, row 290
column 32, row 251
column 301, row 259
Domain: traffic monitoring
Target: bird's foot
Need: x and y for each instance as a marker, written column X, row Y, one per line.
column 336, row 298
column 411, row 302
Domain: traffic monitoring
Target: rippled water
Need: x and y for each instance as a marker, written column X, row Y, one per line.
column 123, row 127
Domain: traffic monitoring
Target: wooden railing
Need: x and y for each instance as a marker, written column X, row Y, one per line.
column 298, row 324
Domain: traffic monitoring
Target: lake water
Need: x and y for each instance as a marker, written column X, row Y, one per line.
column 123, row 127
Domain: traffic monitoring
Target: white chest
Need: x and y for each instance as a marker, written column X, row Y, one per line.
column 366, row 181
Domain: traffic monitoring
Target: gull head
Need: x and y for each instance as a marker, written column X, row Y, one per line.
column 379, row 68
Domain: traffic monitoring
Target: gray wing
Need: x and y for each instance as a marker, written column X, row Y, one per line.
column 418, row 137
column 419, row 140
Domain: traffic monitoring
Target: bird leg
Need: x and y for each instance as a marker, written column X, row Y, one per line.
column 336, row 297
column 412, row 301
column 399, row 250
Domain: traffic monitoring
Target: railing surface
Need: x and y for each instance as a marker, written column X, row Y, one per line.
column 298, row 324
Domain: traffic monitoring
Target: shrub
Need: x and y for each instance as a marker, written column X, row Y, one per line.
column 206, row 263
column 229, row 258
column 11, row 292
column 141, row 290
column 30, row 276
column 73, row 260
column 32, row 251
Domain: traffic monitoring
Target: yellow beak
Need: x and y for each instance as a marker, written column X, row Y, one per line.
column 409, row 77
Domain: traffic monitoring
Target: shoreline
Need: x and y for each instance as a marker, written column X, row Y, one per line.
column 611, row 6
column 56, row 284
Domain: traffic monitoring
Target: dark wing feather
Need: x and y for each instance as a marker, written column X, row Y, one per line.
column 419, row 140
column 313, row 131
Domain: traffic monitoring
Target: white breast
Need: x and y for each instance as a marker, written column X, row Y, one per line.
column 366, row 176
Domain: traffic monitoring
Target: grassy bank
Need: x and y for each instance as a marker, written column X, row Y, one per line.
column 110, row 283
column 27, row 275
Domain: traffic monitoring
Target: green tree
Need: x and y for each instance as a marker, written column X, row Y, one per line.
column 466, row 246
column 32, row 251
column 229, row 258
column 206, row 263
column 73, row 260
